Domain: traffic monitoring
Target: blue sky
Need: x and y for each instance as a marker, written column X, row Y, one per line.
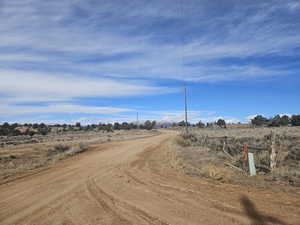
column 64, row 61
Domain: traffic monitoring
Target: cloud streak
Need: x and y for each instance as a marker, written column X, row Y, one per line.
column 45, row 87
column 167, row 40
column 10, row 110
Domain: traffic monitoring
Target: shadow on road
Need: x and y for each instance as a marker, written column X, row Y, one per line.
column 256, row 217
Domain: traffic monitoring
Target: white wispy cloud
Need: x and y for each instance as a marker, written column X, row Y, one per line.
column 19, row 86
column 293, row 5
column 10, row 110
column 22, row 57
column 79, row 29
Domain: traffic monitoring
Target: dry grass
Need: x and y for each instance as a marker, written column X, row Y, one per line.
column 72, row 137
column 16, row 162
column 217, row 154
column 182, row 141
column 247, row 132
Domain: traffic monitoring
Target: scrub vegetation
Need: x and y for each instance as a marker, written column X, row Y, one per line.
column 220, row 154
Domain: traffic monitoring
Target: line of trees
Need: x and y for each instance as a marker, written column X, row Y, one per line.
column 219, row 123
column 259, row 120
column 109, row 127
column 276, row 121
column 16, row 129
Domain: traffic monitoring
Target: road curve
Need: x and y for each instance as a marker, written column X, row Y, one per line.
column 125, row 182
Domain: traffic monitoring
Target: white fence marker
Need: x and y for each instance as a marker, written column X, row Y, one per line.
column 251, row 164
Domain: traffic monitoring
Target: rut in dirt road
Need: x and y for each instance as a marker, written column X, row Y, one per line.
column 128, row 182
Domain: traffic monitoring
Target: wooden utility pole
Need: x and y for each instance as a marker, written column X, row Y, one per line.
column 245, row 156
column 185, row 108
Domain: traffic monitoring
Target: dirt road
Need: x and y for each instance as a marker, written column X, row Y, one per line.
column 128, row 182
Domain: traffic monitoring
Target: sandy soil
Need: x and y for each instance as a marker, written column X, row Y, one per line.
column 131, row 182
column 23, row 159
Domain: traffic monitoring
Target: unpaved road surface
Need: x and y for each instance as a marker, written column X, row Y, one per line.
column 127, row 183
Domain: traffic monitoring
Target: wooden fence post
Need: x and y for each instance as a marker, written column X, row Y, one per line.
column 245, row 156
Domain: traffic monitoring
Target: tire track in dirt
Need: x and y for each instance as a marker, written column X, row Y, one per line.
column 105, row 202
column 167, row 192
column 114, row 206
